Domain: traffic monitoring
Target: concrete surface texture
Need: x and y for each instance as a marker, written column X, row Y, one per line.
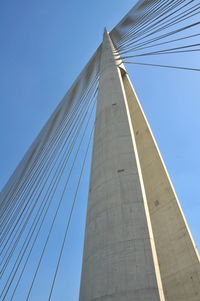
column 137, row 243
column 120, row 261
column 177, row 255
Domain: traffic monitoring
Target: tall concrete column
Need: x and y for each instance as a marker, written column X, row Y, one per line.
column 120, row 260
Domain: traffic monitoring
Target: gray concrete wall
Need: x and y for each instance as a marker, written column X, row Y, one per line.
column 119, row 262
column 177, row 254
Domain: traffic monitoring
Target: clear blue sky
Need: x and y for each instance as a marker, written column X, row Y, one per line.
column 44, row 45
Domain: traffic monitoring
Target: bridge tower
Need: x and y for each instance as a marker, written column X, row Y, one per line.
column 137, row 243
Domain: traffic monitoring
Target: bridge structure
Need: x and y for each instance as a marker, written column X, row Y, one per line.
column 137, row 242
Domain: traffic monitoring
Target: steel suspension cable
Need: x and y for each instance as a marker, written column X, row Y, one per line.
column 79, row 128
column 28, row 218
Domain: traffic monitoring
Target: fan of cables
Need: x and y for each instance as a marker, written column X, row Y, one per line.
column 41, row 189
column 159, row 29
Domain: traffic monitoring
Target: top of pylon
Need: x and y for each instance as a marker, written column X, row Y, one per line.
column 106, row 33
